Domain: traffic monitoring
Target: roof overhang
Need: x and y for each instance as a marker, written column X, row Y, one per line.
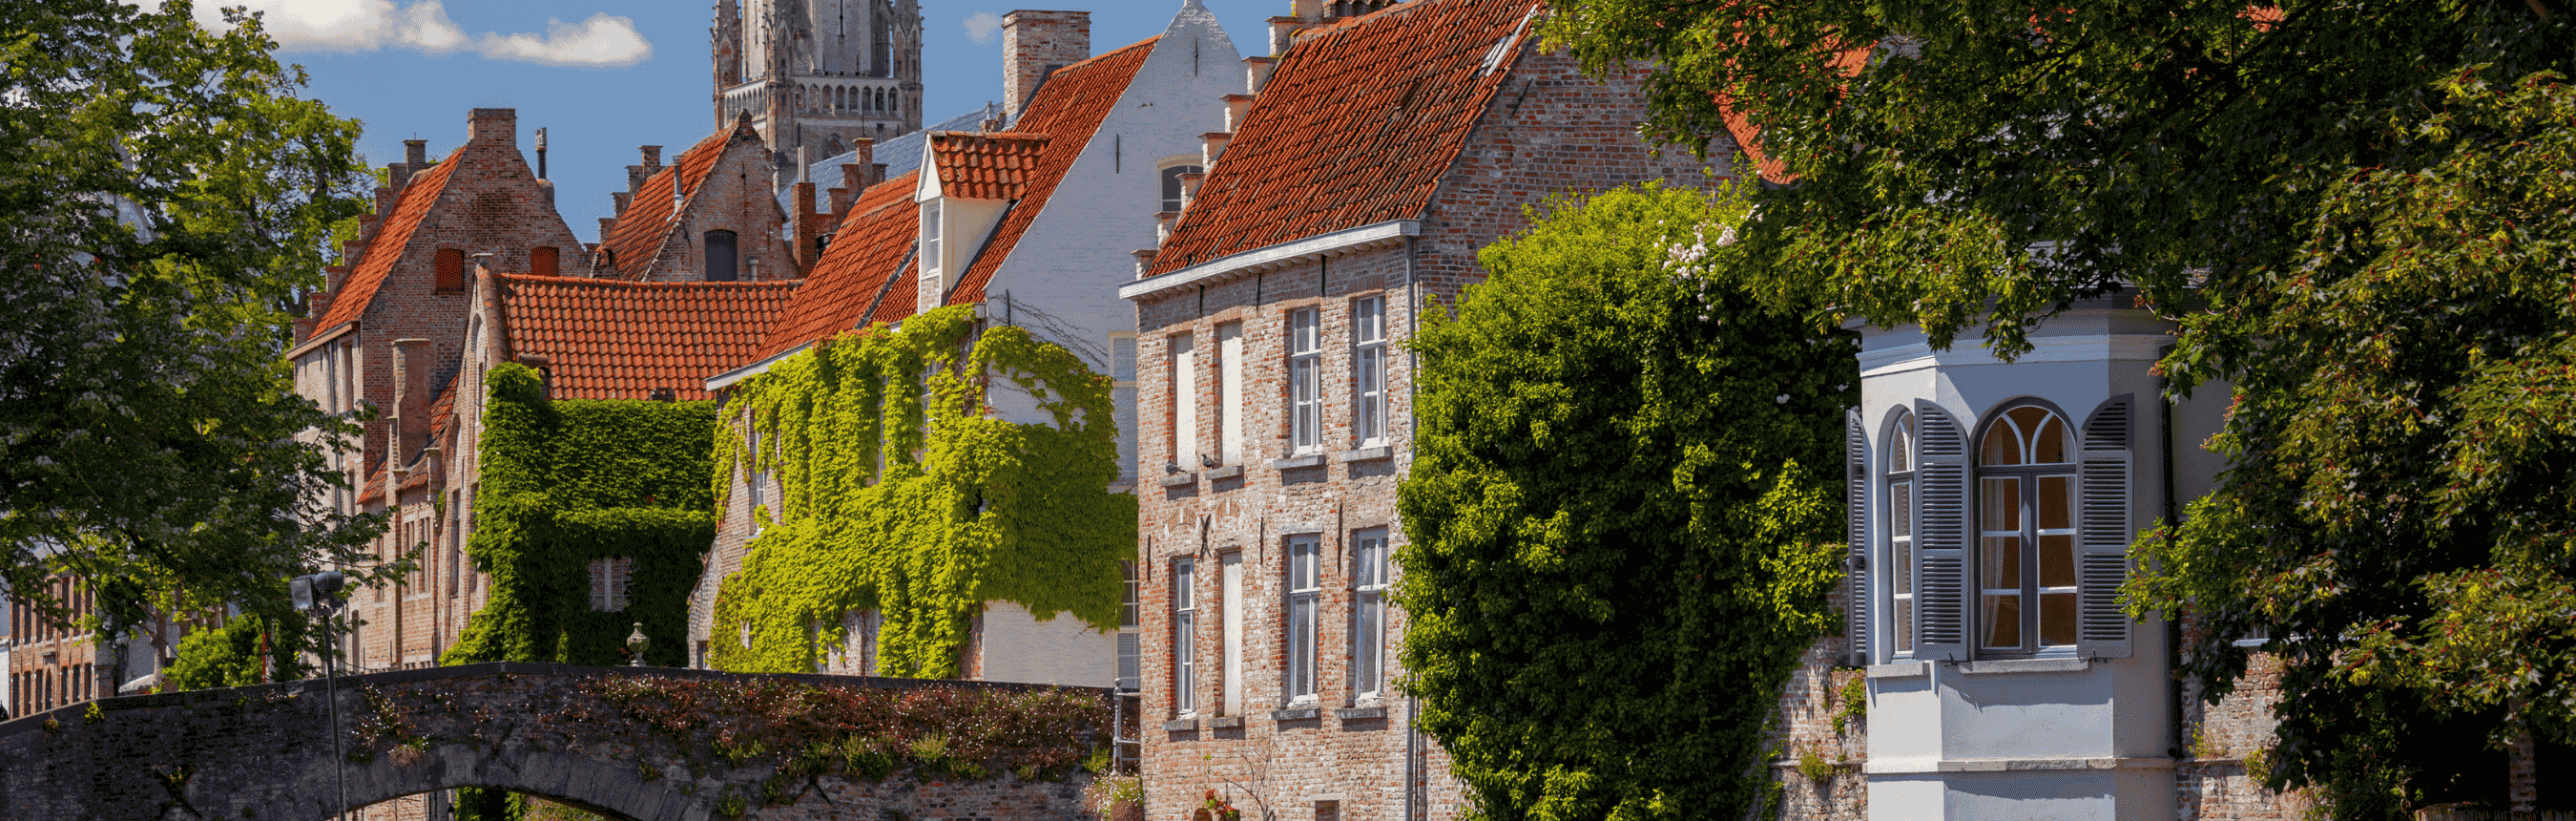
column 723, row 380
column 1231, row 266
column 321, row 339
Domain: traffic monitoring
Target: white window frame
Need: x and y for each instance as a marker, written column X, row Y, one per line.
column 1230, row 591
column 1185, row 634
column 1368, row 371
column 1305, row 381
column 1369, row 564
column 1901, row 458
column 2032, row 595
column 930, row 235
column 1304, row 617
column 1229, row 393
column 1183, row 359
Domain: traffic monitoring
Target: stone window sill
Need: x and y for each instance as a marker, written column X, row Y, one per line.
column 1296, row 714
column 1295, row 462
column 1224, row 722
column 1181, row 725
column 1360, row 713
column 1365, row 454
column 1179, row 479
column 1227, row 472
column 2055, row 665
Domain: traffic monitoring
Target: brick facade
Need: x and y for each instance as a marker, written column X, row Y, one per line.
column 1343, row 754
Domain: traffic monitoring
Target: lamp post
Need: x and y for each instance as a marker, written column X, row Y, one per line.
column 311, row 593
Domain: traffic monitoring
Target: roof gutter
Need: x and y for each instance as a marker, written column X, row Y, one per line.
column 321, row 339
column 723, row 380
column 1367, row 237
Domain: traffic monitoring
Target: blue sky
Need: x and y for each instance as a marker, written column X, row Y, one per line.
column 603, row 78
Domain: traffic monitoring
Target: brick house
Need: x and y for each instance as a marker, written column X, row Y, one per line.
column 1022, row 220
column 1366, row 161
column 708, row 216
column 52, row 665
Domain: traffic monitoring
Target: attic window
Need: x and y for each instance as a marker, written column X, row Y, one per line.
column 451, row 270
column 721, row 256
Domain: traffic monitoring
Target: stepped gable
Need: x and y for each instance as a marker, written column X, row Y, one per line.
column 642, row 228
column 609, row 339
column 1355, row 127
column 978, row 166
column 386, row 247
column 1067, row 109
column 872, row 248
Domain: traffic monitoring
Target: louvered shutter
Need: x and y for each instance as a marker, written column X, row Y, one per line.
column 2102, row 559
column 1856, row 535
column 1940, row 535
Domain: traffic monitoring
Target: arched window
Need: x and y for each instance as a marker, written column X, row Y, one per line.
column 2027, row 588
column 721, row 257
column 1900, row 532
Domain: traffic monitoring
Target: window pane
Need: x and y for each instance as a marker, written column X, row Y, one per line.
column 1901, row 575
column 1301, row 646
column 2057, row 503
column 2057, row 561
column 2002, row 620
column 1365, row 634
column 1999, row 563
column 2057, row 618
column 2002, row 445
column 1999, row 504
column 2051, row 445
column 1900, row 514
column 1900, row 449
column 1904, row 626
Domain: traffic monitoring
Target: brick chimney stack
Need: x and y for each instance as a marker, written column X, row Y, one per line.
column 496, row 126
column 411, row 400
column 803, row 218
column 1035, row 44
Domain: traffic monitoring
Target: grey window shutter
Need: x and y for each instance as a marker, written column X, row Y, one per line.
column 2103, row 532
column 1856, row 537
column 1940, row 535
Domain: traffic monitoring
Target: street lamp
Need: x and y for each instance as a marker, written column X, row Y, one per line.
column 317, row 593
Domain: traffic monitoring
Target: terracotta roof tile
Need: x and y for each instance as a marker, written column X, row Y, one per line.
column 1356, row 126
column 386, row 247
column 646, row 223
column 902, row 296
column 1067, row 109
column 1748, row 137
column 873, row 242
column 978, row 166
column 609, row 339
column 442, row 408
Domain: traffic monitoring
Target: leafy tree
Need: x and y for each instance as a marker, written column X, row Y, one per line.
column 1624, row 479
column 2254, row 171
column 2402, row 457
column 230, row 655
column 167, row 195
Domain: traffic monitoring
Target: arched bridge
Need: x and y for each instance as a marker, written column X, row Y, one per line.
column 649, row 744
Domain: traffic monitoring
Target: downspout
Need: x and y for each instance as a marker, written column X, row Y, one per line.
column 1412, row 377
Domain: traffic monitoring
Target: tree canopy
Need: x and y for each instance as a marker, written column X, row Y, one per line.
column 167, row 197
column 1624, row 482
column 2350, row 209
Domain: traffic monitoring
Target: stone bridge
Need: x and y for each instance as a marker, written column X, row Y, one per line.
column 649, row 744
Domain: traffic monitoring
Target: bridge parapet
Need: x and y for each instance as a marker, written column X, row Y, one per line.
column 644, row 743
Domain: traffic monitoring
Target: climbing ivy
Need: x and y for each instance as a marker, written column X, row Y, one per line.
column 567, row 482
column 904, row 493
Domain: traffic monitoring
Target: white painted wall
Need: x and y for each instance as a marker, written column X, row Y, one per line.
column 1018, row 647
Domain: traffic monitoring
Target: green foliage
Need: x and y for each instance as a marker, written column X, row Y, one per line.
column 168, row 195
column 571, row 481
column 1854, row 703
column 229, row 656
column 1623, row 489
column 902, row 493
column 2398, row 517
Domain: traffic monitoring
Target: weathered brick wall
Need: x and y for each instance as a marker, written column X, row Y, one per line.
column 734, row 196
column 2211, row 784
column 1804, row 736
column 266, row 752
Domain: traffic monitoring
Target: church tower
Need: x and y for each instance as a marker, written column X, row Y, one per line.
column 817, row 74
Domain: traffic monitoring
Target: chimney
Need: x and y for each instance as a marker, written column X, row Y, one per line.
column 496, row 126
column 841, row 197
column 854, row 179
column 805, row 254
column 1035, row 44
column 411, row 399
column 416, row 153
column 1256, row 73
column 863, row 153
column 1237, row 107
column 652, row 158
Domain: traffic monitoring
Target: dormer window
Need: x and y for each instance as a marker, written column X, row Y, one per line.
column 930, row 235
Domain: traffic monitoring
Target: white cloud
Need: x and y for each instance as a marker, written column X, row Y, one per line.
column 369, row 25
column 981, row 25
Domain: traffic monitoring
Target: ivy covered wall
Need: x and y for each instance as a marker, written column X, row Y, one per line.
column 904, row 492
column 567, row 482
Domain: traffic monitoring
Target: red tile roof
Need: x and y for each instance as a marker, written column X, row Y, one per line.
column 874, row 241
column 1748, row 137
column 1067, row 108
column 386, row 247
column 646, row 222
column 1356, row 126
column 979, row 166
column 609, row 339
column 902, row 296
